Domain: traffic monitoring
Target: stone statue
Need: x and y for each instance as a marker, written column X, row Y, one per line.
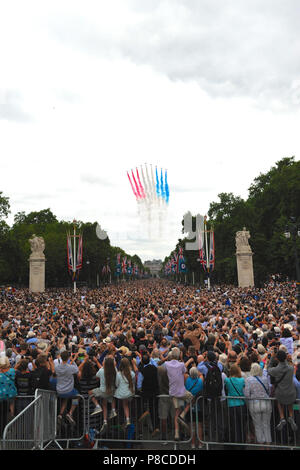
column 37, row 245
column 241, row 240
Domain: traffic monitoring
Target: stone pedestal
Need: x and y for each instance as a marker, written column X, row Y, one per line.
column 245, row 269
column 37, row 274
column 244, row 259
column 37, row 264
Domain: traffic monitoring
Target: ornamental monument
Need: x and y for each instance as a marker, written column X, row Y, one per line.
column 244, row 259
column 37, row 264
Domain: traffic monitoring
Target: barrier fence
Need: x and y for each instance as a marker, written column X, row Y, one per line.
column 228, row 422
column 245, row 423
column 152, row 421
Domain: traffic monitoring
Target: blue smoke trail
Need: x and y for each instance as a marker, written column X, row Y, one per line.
column 157, row 184
column 162, row 191
column 167, row 188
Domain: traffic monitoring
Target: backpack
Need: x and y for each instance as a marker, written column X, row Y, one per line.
column 213, row 384
column 35, row 379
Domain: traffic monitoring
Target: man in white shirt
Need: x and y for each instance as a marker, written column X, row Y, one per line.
column 65, row 384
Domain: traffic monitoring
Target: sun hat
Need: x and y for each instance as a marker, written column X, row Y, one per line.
column 261, row 349
column 259, row 332
column 107, row 340
column 223, row 359
column 42, row 346
column 125, row 351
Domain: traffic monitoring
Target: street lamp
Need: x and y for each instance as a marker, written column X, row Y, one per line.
column 292, row 231
column 88, row 265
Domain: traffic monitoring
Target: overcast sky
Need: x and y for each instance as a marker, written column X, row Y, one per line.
column 209, row 89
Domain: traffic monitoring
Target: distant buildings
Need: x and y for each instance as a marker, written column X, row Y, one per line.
column 154, row 266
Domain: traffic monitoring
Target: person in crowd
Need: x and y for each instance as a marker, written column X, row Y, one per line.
column 282, row 374
column 245, row 366
column 8, row 392
column 125, row 386
column 257, row 391
column 65, row 385
column 287, row 340
column 147, row 386
column 24, row 384
column 42, row 373
column 176, row 371
column 234, row 386
column 165, row 403
column 194, row 384
column 107, row 376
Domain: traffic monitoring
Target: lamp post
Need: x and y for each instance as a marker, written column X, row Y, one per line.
column 293, row 231
column 88, row 265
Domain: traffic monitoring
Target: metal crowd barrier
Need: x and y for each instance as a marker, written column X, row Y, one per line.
column 214, row 423
column 34, row 423
column 152, row 422
column 251, row 423
column 67, row 433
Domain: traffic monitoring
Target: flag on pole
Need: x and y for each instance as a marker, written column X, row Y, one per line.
column 118, row 265
column 79, row 254
column 175, row 263
column 74, row 259
column 129, row 268
column 181, row 262
column 70, row 254
column 201, row 250
column 124, row 264
column 211, row 251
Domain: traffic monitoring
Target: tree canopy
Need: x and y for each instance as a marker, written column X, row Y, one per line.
column 15, row 248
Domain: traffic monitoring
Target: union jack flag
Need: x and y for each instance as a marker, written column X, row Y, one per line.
column 124, row 264
column 74, row 265
column 212, row 251
column 201, row 251
column 175, row 263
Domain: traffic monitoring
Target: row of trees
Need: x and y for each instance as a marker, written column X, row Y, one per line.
column 15, row 248
column 273, row 202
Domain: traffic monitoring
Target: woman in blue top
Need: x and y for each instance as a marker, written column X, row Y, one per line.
column 193, row 384
column 234, row 387
column 8, row 391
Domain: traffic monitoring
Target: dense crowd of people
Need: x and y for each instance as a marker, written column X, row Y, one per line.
column 155, row 337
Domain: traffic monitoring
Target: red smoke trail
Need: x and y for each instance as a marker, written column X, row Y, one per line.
column 134, row 192
column 136, row 185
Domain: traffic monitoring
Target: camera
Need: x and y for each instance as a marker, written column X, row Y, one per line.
column 92, row 353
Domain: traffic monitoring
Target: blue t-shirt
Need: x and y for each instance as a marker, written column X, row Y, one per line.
column 195, row 386
column 234, row 386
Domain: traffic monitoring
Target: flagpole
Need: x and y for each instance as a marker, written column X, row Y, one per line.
column 207, row 255
column 74, row 258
